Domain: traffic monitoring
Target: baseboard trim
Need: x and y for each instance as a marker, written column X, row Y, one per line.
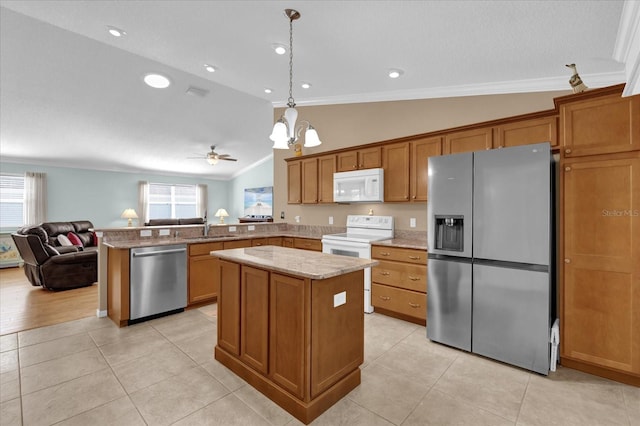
column 101, row 314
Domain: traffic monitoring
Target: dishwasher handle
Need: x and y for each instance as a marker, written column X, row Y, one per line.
column 157, row 253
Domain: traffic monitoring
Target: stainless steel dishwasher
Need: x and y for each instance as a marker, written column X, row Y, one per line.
column 158, row 281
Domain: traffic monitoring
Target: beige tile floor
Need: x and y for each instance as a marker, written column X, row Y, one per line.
column 162, row 372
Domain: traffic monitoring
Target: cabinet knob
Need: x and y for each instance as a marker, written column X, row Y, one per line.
column 355, row 166
column 414, row 305
column 414, row 197
column 384, row 273
column 567, row 261
column 414, row 278
column 567, row 169
column 414, row 257
column 385, row 253
column 258, row 244
column 567, row 151
column 384, row 297
column 361, row 166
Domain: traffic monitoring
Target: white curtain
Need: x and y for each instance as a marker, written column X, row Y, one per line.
column 35, row 198
column 143, row 202
column 201, row 201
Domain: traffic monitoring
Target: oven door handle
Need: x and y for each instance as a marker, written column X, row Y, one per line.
column 344, row 245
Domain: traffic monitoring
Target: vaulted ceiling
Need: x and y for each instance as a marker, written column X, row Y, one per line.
column 72, row 95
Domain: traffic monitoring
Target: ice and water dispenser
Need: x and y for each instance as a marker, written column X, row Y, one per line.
column 449, row 233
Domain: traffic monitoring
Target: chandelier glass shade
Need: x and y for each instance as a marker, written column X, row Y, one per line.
column 285, row 132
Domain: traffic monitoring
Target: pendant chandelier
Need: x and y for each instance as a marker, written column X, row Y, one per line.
column 285, row 133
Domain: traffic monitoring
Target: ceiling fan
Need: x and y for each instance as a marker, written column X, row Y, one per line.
column 213, row 157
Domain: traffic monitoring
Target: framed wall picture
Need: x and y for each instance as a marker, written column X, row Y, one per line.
column 9, row 255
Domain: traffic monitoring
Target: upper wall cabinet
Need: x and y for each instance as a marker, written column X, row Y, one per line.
column 396, row 171
column 326, row 169
column 421, row 150
column 601, row 125
column 468, row 140
column 310, row 181
column 365, row 158
column 294, row 182
column 527, row 132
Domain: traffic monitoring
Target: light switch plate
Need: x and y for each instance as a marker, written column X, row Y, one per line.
column 330, row 220
column 412, row 222
column 145, row 232
column 339, row 299
column 251, row 228
column 164, row 232
column 232, row 229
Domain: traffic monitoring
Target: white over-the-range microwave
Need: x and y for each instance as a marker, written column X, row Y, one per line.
column 358, row 186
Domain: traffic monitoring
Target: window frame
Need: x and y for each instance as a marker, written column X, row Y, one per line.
column 4, row 177
column 175, row 199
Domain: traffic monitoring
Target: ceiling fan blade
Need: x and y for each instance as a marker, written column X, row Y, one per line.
column 227, row 159
column 196, row 158
column 223, row 155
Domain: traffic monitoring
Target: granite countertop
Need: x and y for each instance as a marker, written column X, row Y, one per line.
column 411, row 243
column 300, row 263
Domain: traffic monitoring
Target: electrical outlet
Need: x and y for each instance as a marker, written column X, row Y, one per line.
column 163, row 232
column 232, row 229
column 330, row 220
column 281, row 215
column 412, row 222
column 145, row 232
column 251, row 228
column 339, row 299
column 297, row 218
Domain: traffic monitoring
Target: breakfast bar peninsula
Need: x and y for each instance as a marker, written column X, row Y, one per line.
column 291, row 323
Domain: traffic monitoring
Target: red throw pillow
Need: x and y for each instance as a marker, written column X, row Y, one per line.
column 75, row 240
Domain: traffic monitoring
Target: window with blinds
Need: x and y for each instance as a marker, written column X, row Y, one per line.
column 11, row 201
column 172, row 201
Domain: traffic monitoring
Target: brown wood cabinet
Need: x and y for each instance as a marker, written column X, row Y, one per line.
column 527, row 132
column 232, row 244
column 310, row 181
column 364, row 158
column 118, row 286
column 286, row 337
column 203, row 285
column 294, row 182
column 307, row 244
column 287, row 242
column 468, row 140
column 395, row 161
column 399, row 283
column 326, row 168
column 421, row 150
column 596, row 124
column 600, row 265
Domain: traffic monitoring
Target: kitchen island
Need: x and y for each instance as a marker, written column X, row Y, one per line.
column 291, row 323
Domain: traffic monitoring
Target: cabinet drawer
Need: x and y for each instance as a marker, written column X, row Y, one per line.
column 399, row 254
column 307, row 244
column 402, row 275
column 237, row 244
column 259, row 242
column 405, row 302
column 204, row 248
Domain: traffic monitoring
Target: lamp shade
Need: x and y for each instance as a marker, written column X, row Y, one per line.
column 221, row 213
column 279, row 135
column 311, row 137
column 129, row 214
column 291, row 115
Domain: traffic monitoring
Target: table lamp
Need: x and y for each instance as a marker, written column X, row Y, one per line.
column 129, row 214
column 221, row 213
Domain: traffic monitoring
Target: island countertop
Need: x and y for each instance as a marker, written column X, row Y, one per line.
column 301, row 263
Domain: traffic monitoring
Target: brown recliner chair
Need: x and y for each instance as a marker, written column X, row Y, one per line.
column 54, row 268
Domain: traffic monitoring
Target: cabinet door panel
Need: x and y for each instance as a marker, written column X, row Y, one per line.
column 326, row 168
column 528, row 132
column 229, row 306
column 421, row 150
column 310, row 181
column 369, row 158
column 600, row 321
column 254, row 321
column 347, row 161
column 294, row 181
column 287, row 328
column 203, row 284
column 396, row 172
column 468, row 141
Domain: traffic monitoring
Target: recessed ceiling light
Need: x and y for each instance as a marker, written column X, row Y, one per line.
column 116, row 32
column 267, row 90
column 305, row 85
column 395, row 73
column 280, row 49
column 210, row 68
column 157, row 81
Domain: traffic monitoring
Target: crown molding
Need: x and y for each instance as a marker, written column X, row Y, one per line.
column 627, row 47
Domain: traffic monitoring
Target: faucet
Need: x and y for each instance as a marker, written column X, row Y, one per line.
column 206, row 229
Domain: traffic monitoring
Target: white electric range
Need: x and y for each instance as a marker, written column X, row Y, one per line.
column 356, row 242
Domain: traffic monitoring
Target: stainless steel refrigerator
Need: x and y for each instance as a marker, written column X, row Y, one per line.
column 490, row 278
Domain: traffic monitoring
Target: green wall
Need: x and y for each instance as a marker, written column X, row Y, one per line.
column 101, row 196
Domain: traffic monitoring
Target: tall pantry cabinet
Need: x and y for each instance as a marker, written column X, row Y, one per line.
column 599, row 233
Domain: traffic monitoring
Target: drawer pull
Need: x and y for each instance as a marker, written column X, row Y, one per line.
column 258, row 244
column 414, row 305
column 414, row 257
column 384, row 273
column 385, row 253
column 414, row 278
column 384, row 297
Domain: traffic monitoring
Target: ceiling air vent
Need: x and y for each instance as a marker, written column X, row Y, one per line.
column 197, row 91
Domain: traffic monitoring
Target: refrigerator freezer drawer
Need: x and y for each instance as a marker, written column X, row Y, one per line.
column 449, row 303
column 511, row 316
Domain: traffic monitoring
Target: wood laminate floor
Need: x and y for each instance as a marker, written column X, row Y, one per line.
column 24, row 307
